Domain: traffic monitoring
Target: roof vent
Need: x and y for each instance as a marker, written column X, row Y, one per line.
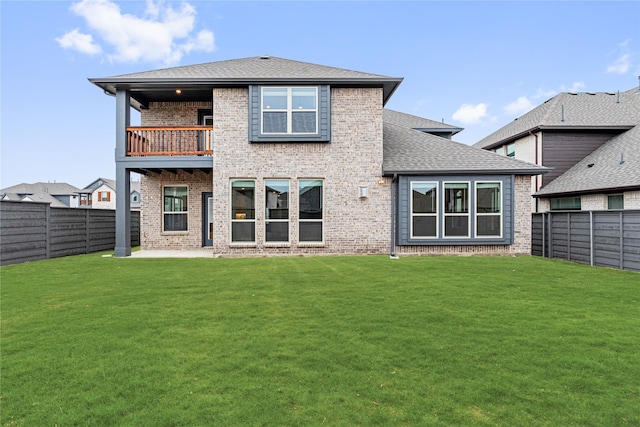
column 265, row 57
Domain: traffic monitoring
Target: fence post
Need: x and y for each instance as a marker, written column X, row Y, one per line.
column 568, row 236
column 621, row 242
column 87, row 242
column 550, row 224
column 591, row 256
column 544, row 236
column 47, row 231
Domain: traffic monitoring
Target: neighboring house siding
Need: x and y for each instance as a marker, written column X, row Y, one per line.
column 562, row 150
column 98, row 203
column 521, row 221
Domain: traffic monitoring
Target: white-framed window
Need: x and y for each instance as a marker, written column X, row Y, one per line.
column 104, row 196
column 243, row 210
column 310, row 210
column 289, row 110
column 175, row 208
column 424, row 210
column 456, row 209
column 488, row 203
column 511, row 150
column 276, row 216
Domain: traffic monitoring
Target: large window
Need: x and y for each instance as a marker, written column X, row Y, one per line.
column 566, row 204
column 174, row 208
column 488, row 209
column 456, row 209
column 451, row 210
column 424, row 209
column 310, row 214
column 243, row 212
column 276, row 210
column 289, row 110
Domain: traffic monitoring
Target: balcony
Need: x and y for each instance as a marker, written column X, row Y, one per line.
column 169, row 141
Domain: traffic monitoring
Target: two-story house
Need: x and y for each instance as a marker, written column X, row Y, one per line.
column 591, row 143
column 266, row 155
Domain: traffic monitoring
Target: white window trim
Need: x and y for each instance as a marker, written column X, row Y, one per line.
column 244, row 221
column 321, row 221
column 287, row 220
column 175, row 213
column 289, row 110
column 476, row 214
column 445, row 214
column 412, row 214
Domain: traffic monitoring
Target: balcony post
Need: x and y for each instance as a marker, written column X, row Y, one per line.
column 123, row 176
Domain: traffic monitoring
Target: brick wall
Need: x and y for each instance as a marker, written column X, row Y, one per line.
column 352, row 159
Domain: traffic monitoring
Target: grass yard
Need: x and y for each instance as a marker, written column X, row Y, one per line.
column 341, row 341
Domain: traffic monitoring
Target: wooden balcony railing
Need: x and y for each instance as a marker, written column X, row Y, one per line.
column 170, row 141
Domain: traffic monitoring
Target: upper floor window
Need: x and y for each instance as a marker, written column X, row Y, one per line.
column 290, row 110
column 511, row 150
column 289, row 113
column 104, row 196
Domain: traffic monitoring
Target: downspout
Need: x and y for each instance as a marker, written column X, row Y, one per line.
column 393, row 217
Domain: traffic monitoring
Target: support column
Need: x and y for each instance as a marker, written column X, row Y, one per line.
column 123, row 176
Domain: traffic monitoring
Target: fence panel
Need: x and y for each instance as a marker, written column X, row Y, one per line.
column 34, row 231
column 602, row 238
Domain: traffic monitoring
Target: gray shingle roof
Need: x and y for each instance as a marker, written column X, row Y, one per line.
column 572, row 110
column 615, row 165
column 253, row 70
column 53, row 188
column 415, row 122
column 408, row 151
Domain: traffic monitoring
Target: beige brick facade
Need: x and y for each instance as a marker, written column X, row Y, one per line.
column 352, row 159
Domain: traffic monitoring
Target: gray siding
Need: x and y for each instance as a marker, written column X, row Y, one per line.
column 404, row 206
column 35, row 231
column 324, row 119
column 562, row 150
column 602, row 238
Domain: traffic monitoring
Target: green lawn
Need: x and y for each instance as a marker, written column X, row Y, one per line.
column 342, row 341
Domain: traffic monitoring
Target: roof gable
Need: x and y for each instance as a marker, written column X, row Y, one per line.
column 615, row 165
column 583, row 110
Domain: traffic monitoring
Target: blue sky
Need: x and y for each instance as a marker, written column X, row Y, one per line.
column 476, row 65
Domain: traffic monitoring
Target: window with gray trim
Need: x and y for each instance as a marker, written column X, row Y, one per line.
column 451, row 210
column 289, row 113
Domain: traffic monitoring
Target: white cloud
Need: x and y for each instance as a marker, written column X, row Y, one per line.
column 78, row 41
column 575, row 87
column 519, row 106
column 620, row 65
column 470, row 114
column 164, row 35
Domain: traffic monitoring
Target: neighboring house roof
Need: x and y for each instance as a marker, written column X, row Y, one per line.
column 111, row 183
column 192, row 79
column 418, row 123
column 613, row 166
column 408, row 151
column 583, row 110
column 53, row 188
column 37, row 197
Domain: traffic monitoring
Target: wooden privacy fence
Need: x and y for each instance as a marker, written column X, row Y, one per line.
column 34, row 231
column 602, row 238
